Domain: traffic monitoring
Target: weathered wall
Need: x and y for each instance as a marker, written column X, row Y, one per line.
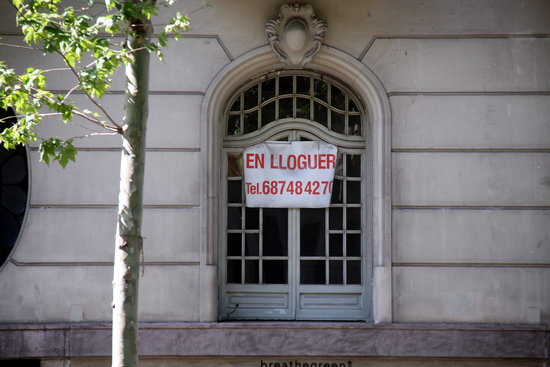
column 469, row 87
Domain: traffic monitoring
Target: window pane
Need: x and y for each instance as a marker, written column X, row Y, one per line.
column 286, row 108
column 302, row 85
column 336, row 218
column 275, row 272
column 302, row 108
column 236, row 105
column 233, row 271
column 285, row 85
column 234, row 165
column 336, row 272
column 312, row 232
column 320, row 89
column 233, row 125
column 352, row 107
column 353, row 244
column 353, row 218
column 354, row 125
column 250, row 122
column 251, row 272
column 312, row 272
column 337, row 192
column 336, row 244
column 234, row 217
column 251, row 98
column 337, row 98
column 252, row 218
column 354, row 272
column 275, row 232
column 320, row 114
column 338, row 122
column 353, row 165
column 234, row 191
column 353, row 192
column 268, row 89
column 233, row 244
column 268, row 113
column 252, row 244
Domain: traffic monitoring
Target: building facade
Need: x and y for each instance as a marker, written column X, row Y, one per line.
column 434, row 250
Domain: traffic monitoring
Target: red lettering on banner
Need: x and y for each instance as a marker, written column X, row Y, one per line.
column 254, row 160
column 295, row 162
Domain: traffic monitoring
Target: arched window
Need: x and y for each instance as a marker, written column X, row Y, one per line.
column 14, row 188
column 290, row 263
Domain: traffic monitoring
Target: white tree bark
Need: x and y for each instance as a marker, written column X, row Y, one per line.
column 130, row 207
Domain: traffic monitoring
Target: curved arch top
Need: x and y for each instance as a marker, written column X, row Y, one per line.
column 367, row 87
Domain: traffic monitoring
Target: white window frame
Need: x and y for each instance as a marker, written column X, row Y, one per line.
column 369, row 90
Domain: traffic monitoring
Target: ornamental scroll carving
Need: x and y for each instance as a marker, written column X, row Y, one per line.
column 296, row 36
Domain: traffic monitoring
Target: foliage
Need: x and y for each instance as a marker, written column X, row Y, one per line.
column 85, row 39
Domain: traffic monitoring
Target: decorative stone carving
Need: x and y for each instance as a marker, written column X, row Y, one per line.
column 296, row 36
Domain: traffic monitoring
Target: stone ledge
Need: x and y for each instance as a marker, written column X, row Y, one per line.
column 241, row 339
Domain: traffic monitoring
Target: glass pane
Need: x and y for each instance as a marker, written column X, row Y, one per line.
column 268, row 89
column 353, row 244
column 353, row 218
column 302, row 85
column 312, row 232
column 234, row 271
column 275, row 272
column 354, row 125
column 302, row 108
column 285, row 108
column 275, row 232
column 336, row 272
column 312, row 272
column 353, row 192
column 234, row 217
column 268, row 113
column 252, row 271
column 337, row 123
column 337, row 98
column 252, row 244
column 234, row 191
column 252, row 218
column 337, row 192
column 236, row 105
column 234, row 165
column 233, row 244
column 336, row 218
column 251, row 97
column 250, row 122
column 352, row 107
column 285, row 85
column 353, row 165
column 320, row 114
column 336, row 244
column 353, row 272
column 320, row 89
column 233, row 125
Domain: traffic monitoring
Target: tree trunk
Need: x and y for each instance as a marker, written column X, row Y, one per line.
column 130, row 207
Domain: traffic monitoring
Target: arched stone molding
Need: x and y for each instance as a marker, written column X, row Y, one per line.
column 368, row 88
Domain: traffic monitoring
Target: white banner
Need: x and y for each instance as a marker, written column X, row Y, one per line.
column 297, row 174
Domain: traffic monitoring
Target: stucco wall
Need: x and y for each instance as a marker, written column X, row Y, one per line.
column 469, row 88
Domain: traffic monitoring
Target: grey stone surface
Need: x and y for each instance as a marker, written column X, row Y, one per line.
column 471, row 179
column 471, row 236
column 456, row 65
column 86, row 235
column 170, row 178
column 470, row 294
column 475, row 121
column 173, row 123
column 298, row 340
